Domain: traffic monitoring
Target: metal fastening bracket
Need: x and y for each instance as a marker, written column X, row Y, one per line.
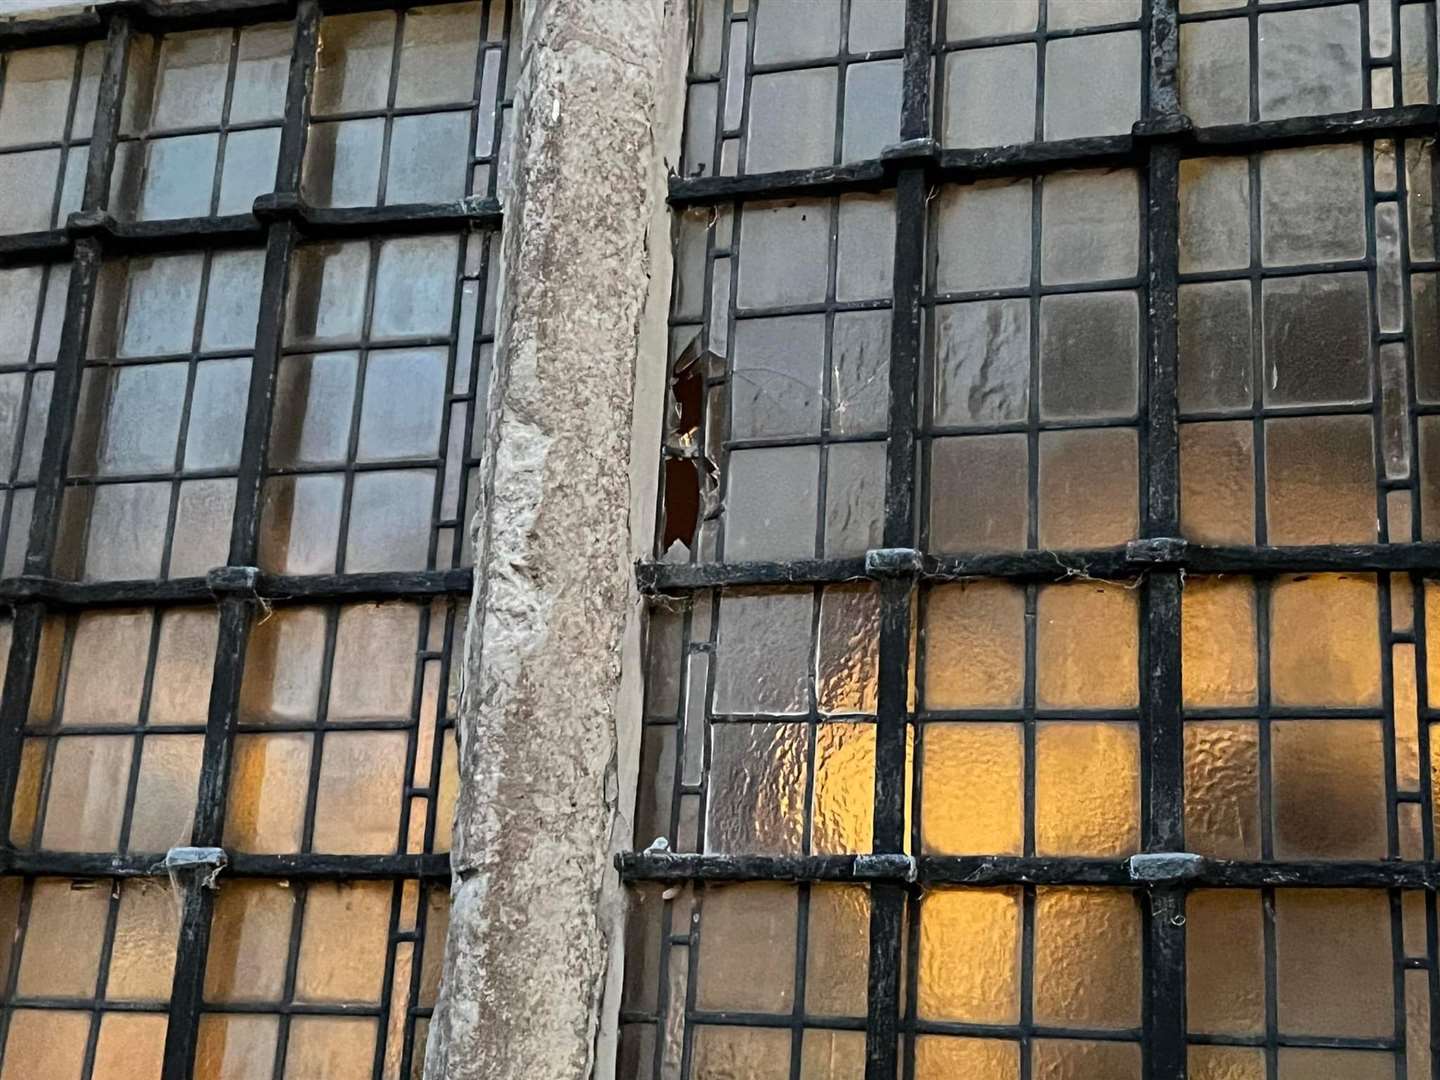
column 889, row 867
column 892, row 562
column 206, row 861
column 1156, row 551
column 1163, row 867
column 233, row 580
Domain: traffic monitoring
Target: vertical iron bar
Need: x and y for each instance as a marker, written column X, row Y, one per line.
column 888, row 902
column 60, row 424
column 187, row 989
column 1161, row 717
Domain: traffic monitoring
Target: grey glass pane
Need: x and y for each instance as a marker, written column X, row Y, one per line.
column 1317, row 339
column 784, row 254
column 29, row 180
column 876, row 26
column 437, row 55
column 203, row 513
column 786, row 32
column 1091, row 226
column 352, row 70
column 778, row 373
column 327, row 292
column 1310, row 62
column 1215, row 71
column 792, row 120
column 127, row 531
column 762, row 653
column 232, row 300
column 983, row 236
column 262, row 68
column 314, row 398
column 872, row 107
column 300, row 523
column 342, row 163
column 414, row 286
column 860, row 375
column 1092, row 85
column 427, row 158
column 854, row 498
column 990, row 96
column 1312, row 204
column 757, row 784
column 982, row 362
column 966, row 19
column 1070, row 14
column 865, row 248
column 249, row 169
column 403, row 403
column 217, row 414
column 390, row 514
column 190, row 79
column 1214, row 214
column 771, row 502
column 161, row 300
column 979, row 493
column 1215, row 355
column 20, row 290
column 699, row 151
column 1089, row 355
column 179, row 175
column 36, row 95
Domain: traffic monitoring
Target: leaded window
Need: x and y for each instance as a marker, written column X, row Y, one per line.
column 1037, row 673
column 246, row 319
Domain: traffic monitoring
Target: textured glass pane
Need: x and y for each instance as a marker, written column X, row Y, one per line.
column 757, row 782
column 250, row 159
column 1324, row 641
column 860, row 375
column 232, row 302
column 747, row 948
column 29, row 178
column 1087, row 646
column 973, row 788
column 854, row 498
column 178, row 177
column 847, row 657
column 1226, row 1063
column 982, row 361
column 1087, row 789
column 754, row 1053
column 313, row 406
column 106, row 675
column 974, row 646
column 978, row 493
column 1309, row 62
column 217, row 420
column 1070, row 1059
column 1345, row 988
column 161, row 300
column 938, row 1057
column 1222, row 789
column 1087, row 958
column 142, row 958
column 778, row 376
column 762, row 654
column 863, row 263
column 970, row 955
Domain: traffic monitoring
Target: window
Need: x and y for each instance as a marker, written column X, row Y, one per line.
column 242, row 406
column 1036, row 677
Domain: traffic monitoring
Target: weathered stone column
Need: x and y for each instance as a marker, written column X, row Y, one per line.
column 548, row 731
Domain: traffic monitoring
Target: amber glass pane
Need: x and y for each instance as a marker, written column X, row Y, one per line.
column 973, row 789
column 1222, row 789
column 974, row 646
column 329, row 1046
column 1345, row 988
column 236, row 1047
column 1218, row 641
column 129, row 1046
column 832, row 1055
column 61, row 955
column 357, row 803
column 268, row 781
column 1298, row 1064
column 747, row 948
column 837, row 950
column 939, row 1058
column 1329, row 789
column 754, row 1053
column 44, row 1043
column 249, row 942
column 342, row 944
column 1087, row 646
column 1225, row 965
column 1087, row 788
column 1087, row 958
column 1226, row 1063
column 142, row 958
column 970, row 955
column 843, row 807
column 1070, row 1059
column 1325, row 646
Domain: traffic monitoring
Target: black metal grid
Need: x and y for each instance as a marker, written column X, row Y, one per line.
column 54, row 596
column 1392, row 110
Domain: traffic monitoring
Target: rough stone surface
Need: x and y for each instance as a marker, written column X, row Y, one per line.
column 547, row 728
